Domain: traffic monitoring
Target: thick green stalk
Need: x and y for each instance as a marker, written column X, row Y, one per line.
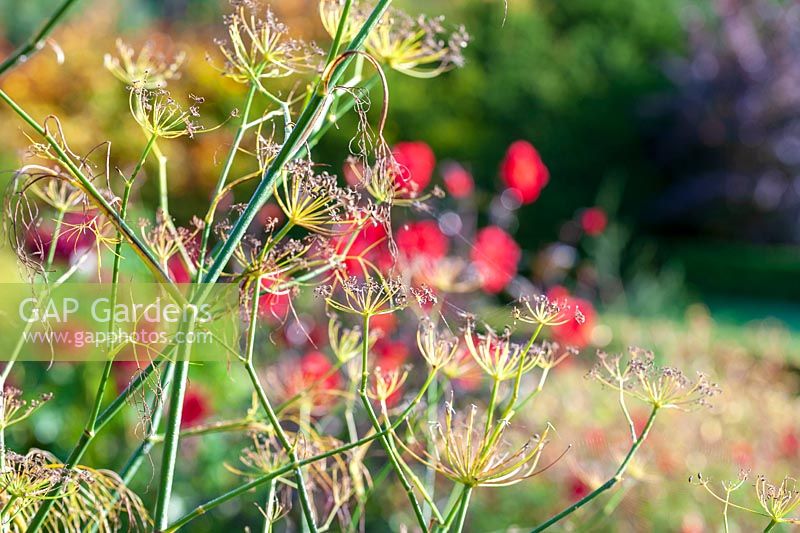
column 772, row 523
column 36, row 42
column 174, row 417
column 608, row 484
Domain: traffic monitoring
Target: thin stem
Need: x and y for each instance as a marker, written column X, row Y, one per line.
column 376, row 425
column 223, row 177
column 772, row 523
column 170, row 454
column 608, row 484
column 302, row 490
column 144, row 252
column 36, row 42
column 492, row 403
column 462, row 511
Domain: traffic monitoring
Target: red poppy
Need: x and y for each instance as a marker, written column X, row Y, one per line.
column 316, row 369
column 177, row 269
column 368, row 248
column 594, row 221
column 195, row 408
column 390, row 355
column 458, row 181
column 273, row 302
column 577, row 488
column 574, row 332
column 422, row 239
column 417, row 161
column 495, row 256
column 524, row 172
column 789, row 444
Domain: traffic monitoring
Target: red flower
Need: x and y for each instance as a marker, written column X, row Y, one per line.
column 574, row 332
column 594, row 221
column 390, row 355
column 316, row 369
column 177, row 269
column 417, row 161
column 789, row 444
column 524, row 172
column 422, row 239
column 195, row 408
column 370, row 247
column 495, row 256
column 273, row 303
column 458, row 181
column 577, row 489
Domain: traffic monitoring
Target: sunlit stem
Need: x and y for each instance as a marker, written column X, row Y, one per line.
column 272, row 416
column 376, row 425
column 608, row 484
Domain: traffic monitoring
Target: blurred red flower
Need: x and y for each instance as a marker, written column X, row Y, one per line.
column 417, row 162
column 177, row 269
column 422, row 239
column 390, row 355
column 524, row 172
column 273, row 303
column 369, row 247
column 594, row 221
column 495, row 255
column 577, row 488
column 315, row 368
column 195, row 408
column 574, row 332
column 458, row 181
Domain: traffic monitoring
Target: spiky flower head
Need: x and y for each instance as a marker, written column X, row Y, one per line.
column 497, row 355
column 314, row 201
column 147, row 69
column 258, row 46
column 638, row 376
column 386, row 383
column 778, row 501
column 543, row 311
column 160, row 115
column 345, row 343
column 466, row 452
column 438, row 347
column 371, row 297
column 13, row 409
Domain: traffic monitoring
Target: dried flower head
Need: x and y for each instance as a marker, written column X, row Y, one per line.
column 419, row 47
column 87, row 497
column 497, row 355
column 258, row 46
column 438, row 347
column 313, row 202
column 386, row 383
column 345, row 343
column 161, row 116
column 147, row 69
column 778, row 500
column 13, row 409
column 371, row 297
column 466, row 452
column 543, row 311
column 663, row 387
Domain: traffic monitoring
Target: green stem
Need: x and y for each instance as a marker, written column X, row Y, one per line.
column 462, row 511
column 772, row 523
column 376, row 425
column 492, row 402
column 223, row 177
column 174, row 417
column 302, row 490
column 36, row 42
column 608, row 484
